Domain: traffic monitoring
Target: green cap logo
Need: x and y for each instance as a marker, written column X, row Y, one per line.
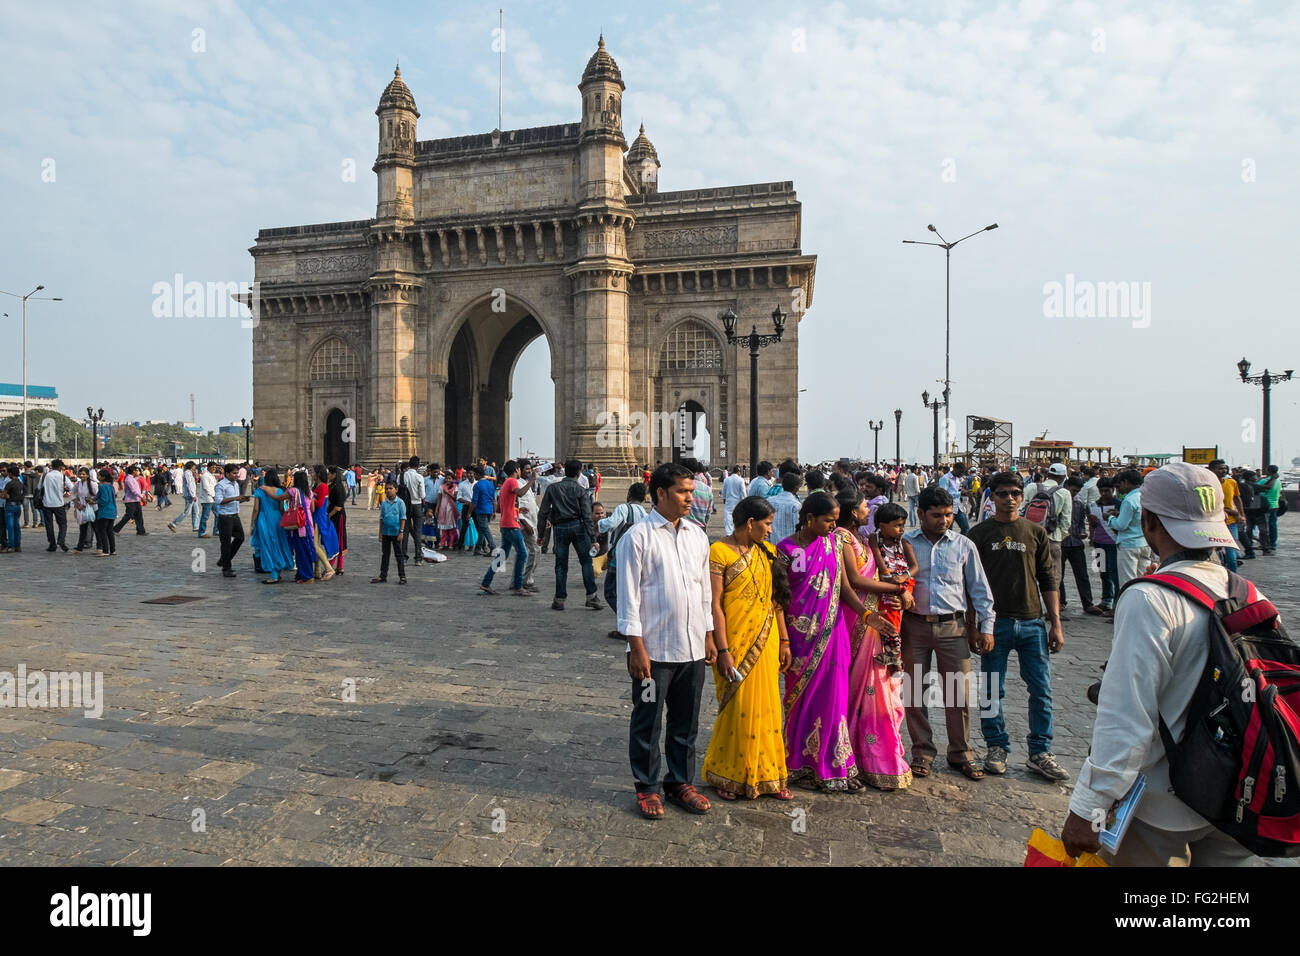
column 1206, row 494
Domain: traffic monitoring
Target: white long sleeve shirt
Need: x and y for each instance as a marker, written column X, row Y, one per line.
column 1156, row 660
column 207, row 487
column 664, row 594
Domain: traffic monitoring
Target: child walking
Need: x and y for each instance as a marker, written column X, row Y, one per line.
column 897, row 563
column 392, row 525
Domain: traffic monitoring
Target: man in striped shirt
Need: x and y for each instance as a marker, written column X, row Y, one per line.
column 665, row 609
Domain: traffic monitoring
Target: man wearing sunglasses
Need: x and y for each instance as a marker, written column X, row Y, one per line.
column 1017, row 557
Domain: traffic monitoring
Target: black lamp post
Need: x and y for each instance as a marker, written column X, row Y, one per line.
column 95, row 418
column 1266, row 380
column 755, row 342
column 934, row 406
column 248, row 428
column 898, row 438
column 875, row 427
column 946, row 246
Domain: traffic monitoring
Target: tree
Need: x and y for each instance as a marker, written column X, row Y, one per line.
column 59, row 436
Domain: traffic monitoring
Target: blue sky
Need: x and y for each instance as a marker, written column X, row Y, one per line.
column 1153, row 143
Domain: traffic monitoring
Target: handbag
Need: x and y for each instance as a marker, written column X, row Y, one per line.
column 86, row 515
column 293, row 519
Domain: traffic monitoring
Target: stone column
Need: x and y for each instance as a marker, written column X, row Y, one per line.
column 395, row 297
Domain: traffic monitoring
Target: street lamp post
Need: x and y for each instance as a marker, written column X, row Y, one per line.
column 1266, row 380
column 95, row 418
column 947, row 248
column 875, row 427
column 25, row 298
column 934, row 407
column 248, row 428
column 755, row 343
column 898, row 438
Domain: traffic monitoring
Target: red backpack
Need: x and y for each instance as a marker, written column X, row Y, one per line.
column 1238, row 764
column 1041, row 509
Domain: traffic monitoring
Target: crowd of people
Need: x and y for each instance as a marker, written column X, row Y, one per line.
column 825, row 609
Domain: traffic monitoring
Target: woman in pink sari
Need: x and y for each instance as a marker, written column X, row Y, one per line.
column 875, row 708
column 818, row 749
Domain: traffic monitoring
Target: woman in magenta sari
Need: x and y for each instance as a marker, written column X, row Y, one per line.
column 819, row 751
column 875, row 697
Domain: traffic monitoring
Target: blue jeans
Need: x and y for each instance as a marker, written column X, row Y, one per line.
column 187, row 510
column 15, row 536
column 512, row 539
column 566, row 533
column 206, row 509
column 911, row 508
column 1029, row 640
column 960, row 517
column 482, row 524
column 1230, row 554
column 1272, row 529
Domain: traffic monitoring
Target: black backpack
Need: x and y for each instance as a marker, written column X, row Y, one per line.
column 1238, row 764
column 1251, row 499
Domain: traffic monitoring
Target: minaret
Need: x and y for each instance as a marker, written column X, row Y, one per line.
column 643, row 160
column 395, row 164
column 394, row 286
column 601, row 273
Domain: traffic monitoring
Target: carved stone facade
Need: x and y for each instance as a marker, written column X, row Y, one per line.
column 401, row 332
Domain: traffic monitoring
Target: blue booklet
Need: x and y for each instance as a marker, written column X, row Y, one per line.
column 1121, row 816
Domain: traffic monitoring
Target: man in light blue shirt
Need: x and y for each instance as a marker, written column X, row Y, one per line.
column 1131, row 552
column 951, row 483
column 944, row 625
column 786, row 505
column 762, row 481
column 226, row 498
column 350, row 479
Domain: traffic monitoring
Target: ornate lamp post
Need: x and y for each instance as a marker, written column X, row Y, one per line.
column 95, row 418
column 875, row 427
column 898, row 438
column 755, row 343
column 1266, row 380
column 934, row 407
column 947, row 246
column 248, row 429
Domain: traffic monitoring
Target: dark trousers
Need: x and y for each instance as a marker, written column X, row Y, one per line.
column 231, row 530
column 57, row 516
column 482, row 524
column 132, row 511
column 84, row 534
column 1078, row 562
column 104, row 535
column 1109, row 574
column 566, row 533
column 1254, row 520
column 611, row 588
column 677, row 687
column 414, row 515
column 945, row 643
column 391, row 544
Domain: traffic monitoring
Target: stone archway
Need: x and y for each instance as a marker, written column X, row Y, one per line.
column 490, row 336
column 337, row 450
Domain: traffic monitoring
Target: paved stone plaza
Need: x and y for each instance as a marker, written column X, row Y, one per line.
column 485, row 731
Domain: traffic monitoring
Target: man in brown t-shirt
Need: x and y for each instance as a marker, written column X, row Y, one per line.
column 1017, row 559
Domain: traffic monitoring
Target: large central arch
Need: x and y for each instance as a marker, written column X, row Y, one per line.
column 489, row 336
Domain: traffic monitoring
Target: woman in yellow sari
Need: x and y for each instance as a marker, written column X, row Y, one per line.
column 746, row 755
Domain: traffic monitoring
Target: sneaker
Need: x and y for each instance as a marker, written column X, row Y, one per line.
column 996, row 761
column 557, row 604
column 1045, row 764
column 593, row 602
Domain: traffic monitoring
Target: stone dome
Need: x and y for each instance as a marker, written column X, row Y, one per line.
column 601, row 66
column 397, row 95
column 642, row 148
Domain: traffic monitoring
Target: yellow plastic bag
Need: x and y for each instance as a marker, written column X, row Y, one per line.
column 1047, row 850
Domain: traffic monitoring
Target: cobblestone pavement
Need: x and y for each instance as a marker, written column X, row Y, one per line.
column 485, row 730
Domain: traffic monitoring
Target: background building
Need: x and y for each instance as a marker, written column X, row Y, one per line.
column 43, row 397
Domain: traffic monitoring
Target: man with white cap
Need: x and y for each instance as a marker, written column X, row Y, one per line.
column 1057, row 525
column 1155, row 665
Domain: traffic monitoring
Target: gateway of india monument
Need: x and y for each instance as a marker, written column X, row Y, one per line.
column 381, row 338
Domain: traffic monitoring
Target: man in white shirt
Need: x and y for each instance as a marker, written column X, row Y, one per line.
column 465, row 497
column 187, row 485
column 733, row 489
column 528, row 509
column 1089, row 493
column 1156, row 660
column 912, row 488
column 414, row 482
column 207, row 492
column 56, row 488
column 665, row 609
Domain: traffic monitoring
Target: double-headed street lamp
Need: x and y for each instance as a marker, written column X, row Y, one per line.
column 248, row 428
column 1266, row 380
column 947, row 247
column 755, row 342
column 934, row 406
column 25, row 298
column 875, row 427
column 95, row 418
